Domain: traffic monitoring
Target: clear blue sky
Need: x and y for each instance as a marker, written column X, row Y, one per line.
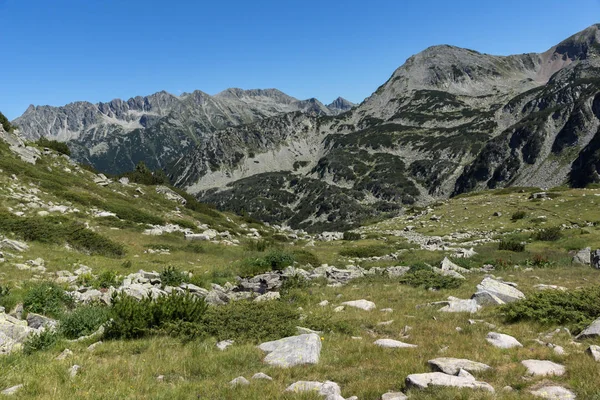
column 58, row 51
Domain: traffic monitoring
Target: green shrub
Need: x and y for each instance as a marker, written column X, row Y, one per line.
column 94, row 243
column 83, row 321
column 328, row 322
column 106, row 279
column 278, row 260
column 46, row 298
column 131, row 318
column 55, row 145
column 6, row 123
column 143, row 175
column 133, row 214
column 258, row 245
column 539, row 261
column 7, row 299
column 351, row 235
column 171, row 276
column 304, row 257
column 246, row 321
column 40, row 341
column 511, row 245
column 517, row 215
column 365, row 251
column 575, row 309
column 550, row 234
column 427, row 279
column 184, row 223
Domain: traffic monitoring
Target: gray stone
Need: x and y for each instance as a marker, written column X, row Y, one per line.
column 594, row 351
column 13, row 245
column 504, row 292
column 223, row 344
column 459, row 305
column 393, row 344
column 592, row 331
column 66, row 353
column 74, row 370
column 294, row 350
column 452, row 366
column 11, row 390
column 502, row 341
column 268, row 297
column 37, row 321
column 362, row 304
column 239, row 381
column 543, row 368
column 554, row 393
column 394, row 396
column 487, row 299
column 423, row 381
column 323, row 388
column 93, row 346
column 596, row 259
column 583, row 256
column 260, row 375
column 447, row 265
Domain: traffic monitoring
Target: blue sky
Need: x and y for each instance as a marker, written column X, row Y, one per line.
column 59, row 51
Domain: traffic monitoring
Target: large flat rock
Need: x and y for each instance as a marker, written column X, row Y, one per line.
column 423, row 381
column 393, row 344
column 501, row 290
column 502, row 341
column 294, row 350
column 554, row 393
column 362, row 304
column 592, row 331
column 326, row 388
column 452, row 366
column 543, row 368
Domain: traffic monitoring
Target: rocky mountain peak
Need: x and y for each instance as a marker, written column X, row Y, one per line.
column 341, row 104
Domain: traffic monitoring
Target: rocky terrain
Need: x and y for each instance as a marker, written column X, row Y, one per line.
column 486, row 295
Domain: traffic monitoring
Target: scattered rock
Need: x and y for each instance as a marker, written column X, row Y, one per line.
column 260, row 375
column 74, row 370
column 394, row 396
column 323, row 388
column 268, row 297
column 223, row 344
column 294, row 350
column 393, row 344
column 550, row 287
column 503, row 291
column 543, row 368
column 594, row 351
column 423, row 381
column 362, row 304
column 452, row 366
column 592, row 331
column 554, row 393
column 454, row 305
column 93, row 346
column 583, row 256
column 66, row 353
column 240, row 380
column 502, row 341
column 11, row 390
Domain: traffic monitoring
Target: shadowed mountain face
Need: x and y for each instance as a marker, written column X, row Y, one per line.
column 448, row 121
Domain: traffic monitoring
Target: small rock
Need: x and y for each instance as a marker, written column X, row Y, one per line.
column 223, row 344
column 394, row 396
column 92, row 346
column 594, row 351
column 554, row 393
column 74, row 370
column 423, row 381
column 240, row 380
column 323, row 388
column 66, row 353
column 11, row 390
column 452, row 366
column 393, row 344
column 361, row 304
column 260, row 375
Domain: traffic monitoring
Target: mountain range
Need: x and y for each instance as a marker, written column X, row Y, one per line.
column 447, row 122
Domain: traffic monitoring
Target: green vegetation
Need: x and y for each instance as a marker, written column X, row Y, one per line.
column 83, row 321
column 575, row 309
column 366, row 251
column 425, row 278
column 550, row 234
column 6, row 123
column 40, row 341
column 46, row 298
column 143, row 175
column 511, row 245
column 351, row 236
column 518, row 215
column 55, row 145
column 170, row 276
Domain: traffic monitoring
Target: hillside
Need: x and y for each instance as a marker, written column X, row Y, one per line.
column 79, row 251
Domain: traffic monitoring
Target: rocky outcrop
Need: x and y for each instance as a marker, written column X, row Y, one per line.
column 291, row 351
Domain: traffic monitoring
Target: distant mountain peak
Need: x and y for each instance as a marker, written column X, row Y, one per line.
column 341, row 104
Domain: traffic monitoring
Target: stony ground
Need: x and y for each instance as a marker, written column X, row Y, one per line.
column 467, row 230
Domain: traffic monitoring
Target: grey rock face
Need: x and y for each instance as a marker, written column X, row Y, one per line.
column 294, row 350
column 594, row 351
column 592, row 331
column 543, row 368
column 454, row 305
column 423, row 381
column 452, row 366
column 554, row 393
column 583, row 256
column 501, row 290
column 502, row 341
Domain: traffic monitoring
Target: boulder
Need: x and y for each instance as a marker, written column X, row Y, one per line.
column 393, row 344
column 504, row 292
column 13, row 245
column 423, row 381
column 447, row 265
column 583, row 256
column 37, row 321
column 294, row 350
column 594, row 351
column 487, row 299
column 239, row 381
column 362, row 304
column 592, row 331
column 452, row 366
column 268, row 297
column 394, row 396
column 454, row 305
column 596, row 259
column 554, row 393
column 502, row 341
column 543, row 368
column 326, row 388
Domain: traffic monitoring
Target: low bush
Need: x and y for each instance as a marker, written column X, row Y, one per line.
column 428, row 279
column 365, row 251
column 94, row 243
column 304, row 257
column 83, row 321
column 46, row 298
column 246, row 321
column 276, row 260
column 55, row 145
column 539, row 261
column 106, row 279
column 517, row 215
column 40, row 341
column 171, row 276
column 550, row 234
column 132, row 318
column 258, row 245
column 351, row 235
column 575, row 309
column 511, row 245
column 7, row 299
